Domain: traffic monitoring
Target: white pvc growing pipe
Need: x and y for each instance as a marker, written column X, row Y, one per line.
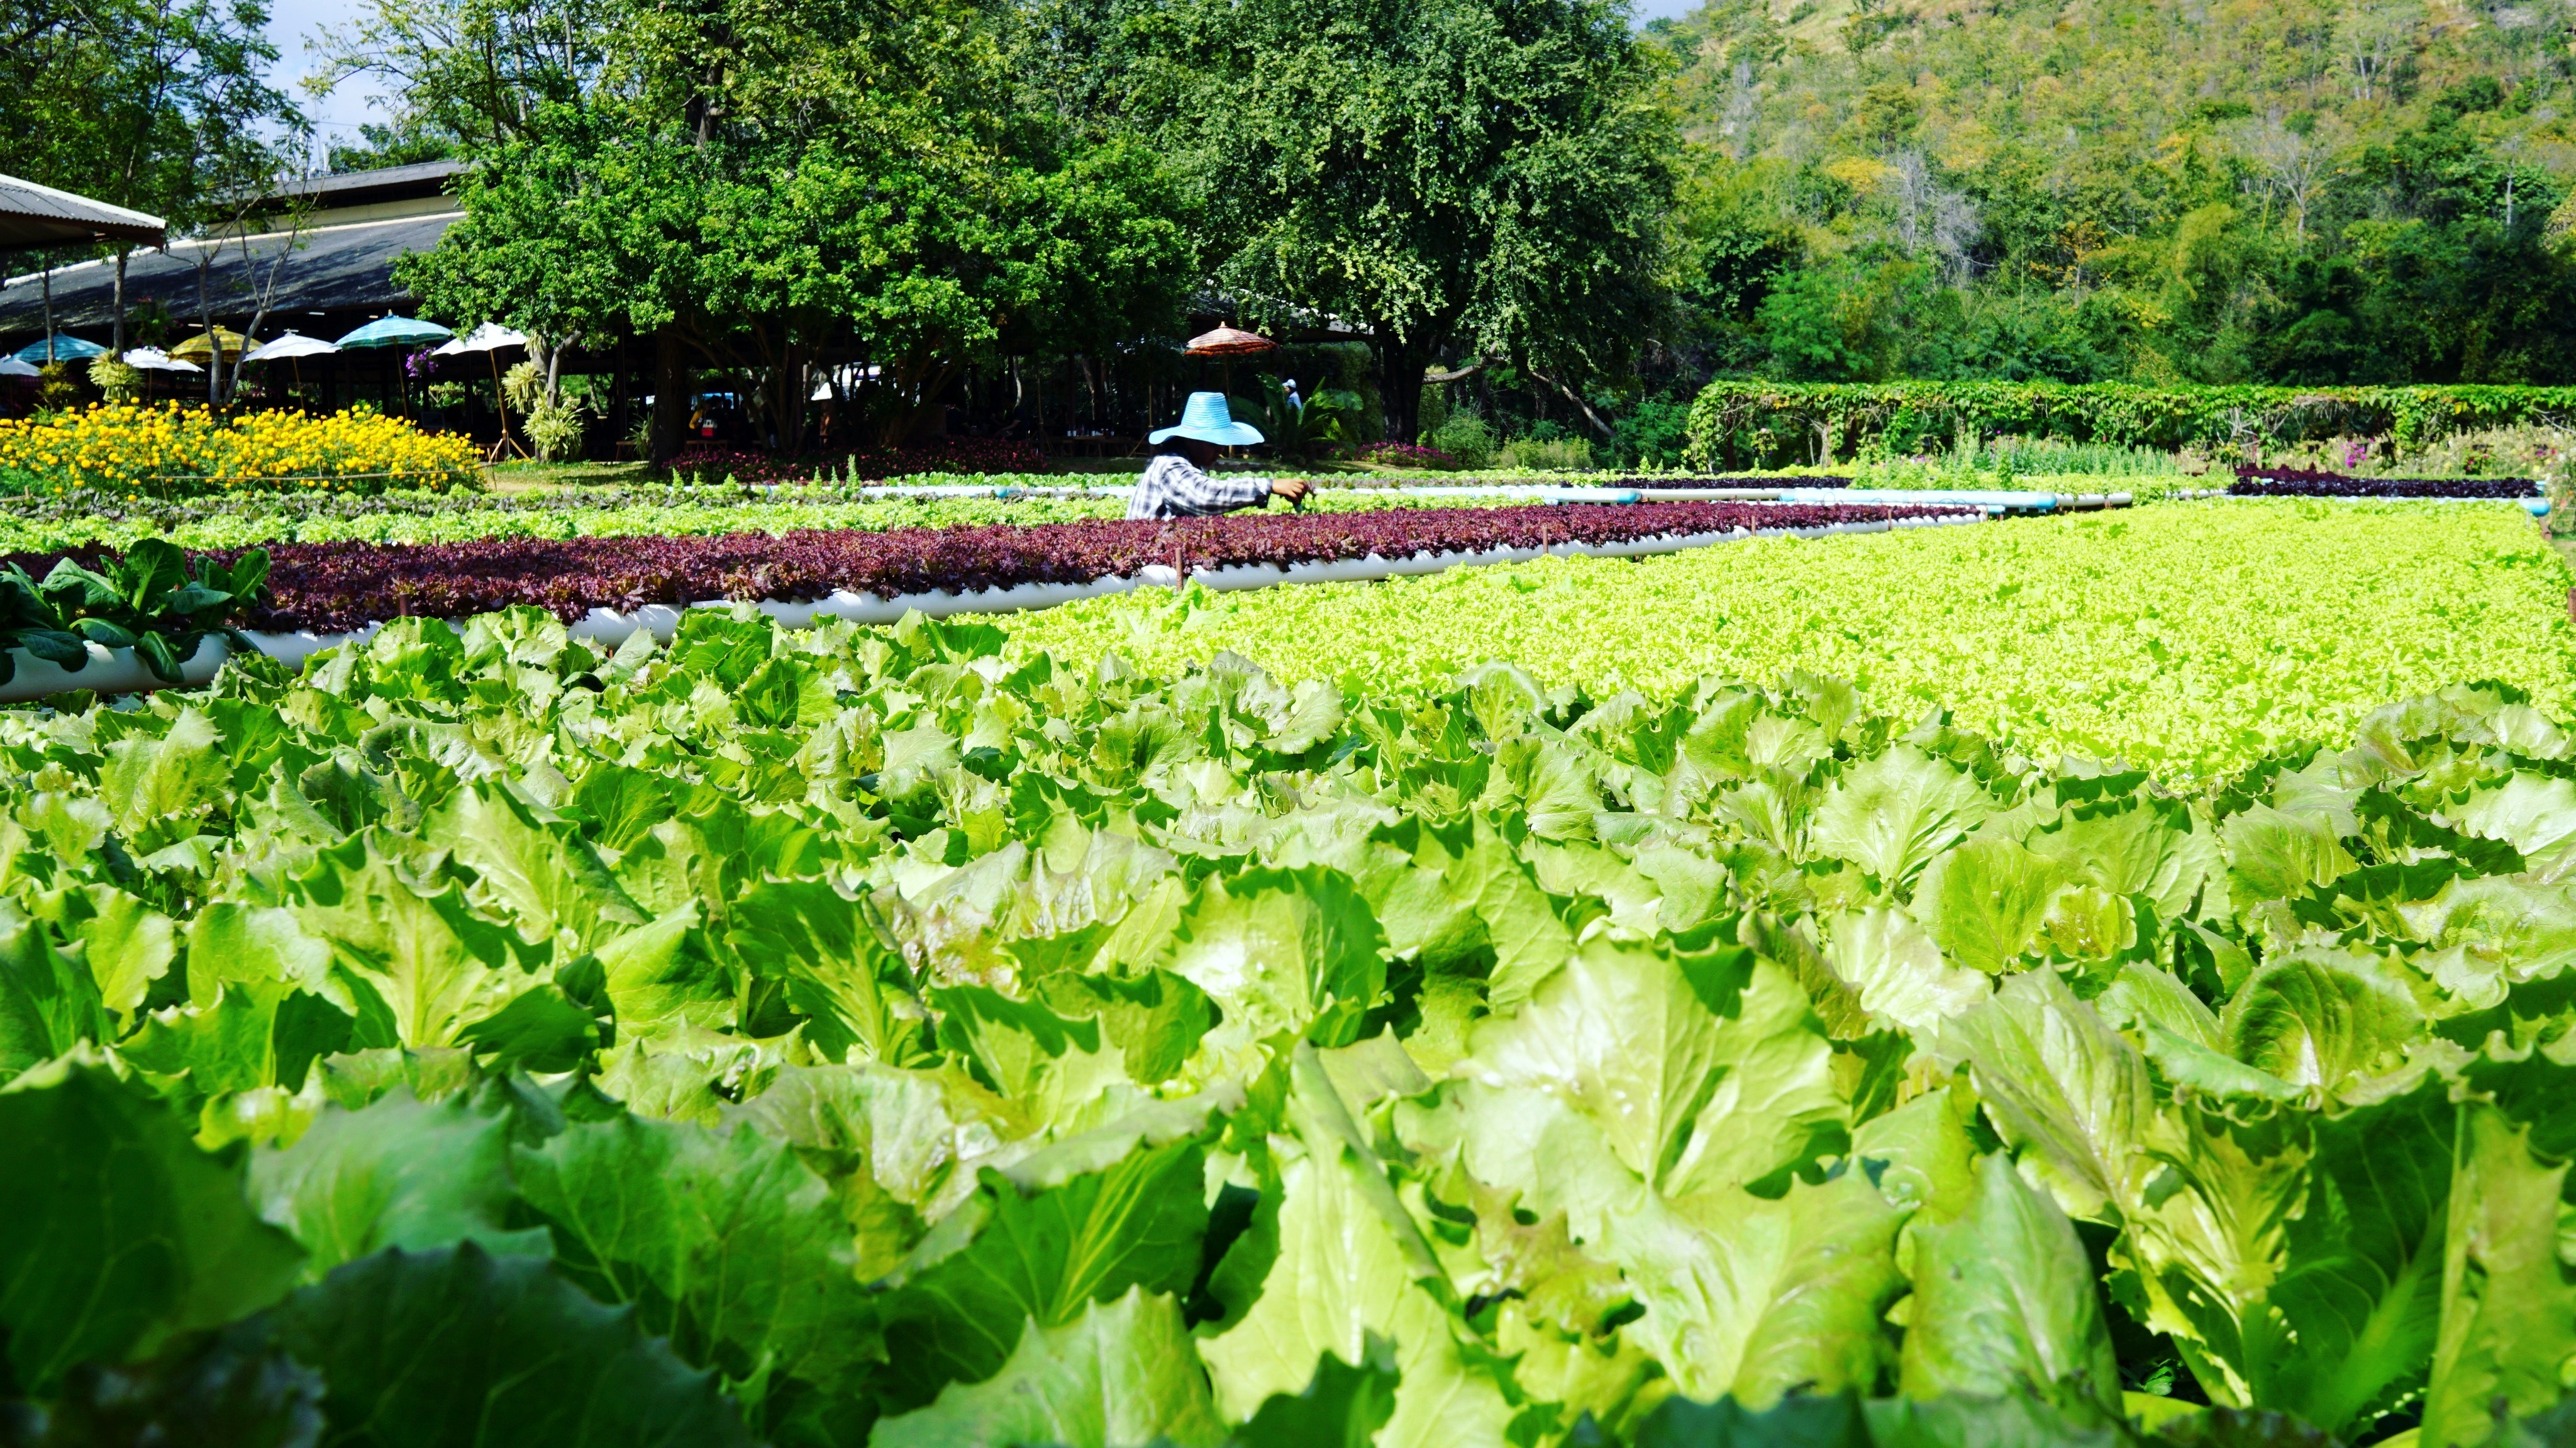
column 612, row 628
column 109, row 671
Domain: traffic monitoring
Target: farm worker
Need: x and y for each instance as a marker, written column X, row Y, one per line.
column 1176, row 483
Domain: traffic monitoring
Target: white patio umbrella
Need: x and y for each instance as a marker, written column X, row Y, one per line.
column 489, row 339
column 153, row 359
column 290, row 347
column 12, row 367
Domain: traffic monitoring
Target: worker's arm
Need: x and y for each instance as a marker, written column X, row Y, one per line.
column 1195, row 492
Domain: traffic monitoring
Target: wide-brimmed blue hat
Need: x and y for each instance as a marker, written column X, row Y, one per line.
column 1208, row 419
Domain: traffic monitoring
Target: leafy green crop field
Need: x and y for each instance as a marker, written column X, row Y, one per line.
column 2190, row 639
column 643, row 513
column 870, row 1036
column 36, row 525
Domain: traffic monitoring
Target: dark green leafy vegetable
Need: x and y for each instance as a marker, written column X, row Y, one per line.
column 152, row 599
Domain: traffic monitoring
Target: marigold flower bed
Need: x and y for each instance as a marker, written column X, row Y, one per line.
column 336, row 586
column 179, row 451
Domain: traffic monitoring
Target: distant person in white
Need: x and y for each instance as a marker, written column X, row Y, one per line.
column 1176, row 483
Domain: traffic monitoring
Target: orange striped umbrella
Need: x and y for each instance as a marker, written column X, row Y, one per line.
column 1229, row 342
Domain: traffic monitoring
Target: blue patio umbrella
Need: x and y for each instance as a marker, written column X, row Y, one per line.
column 394, row 332
column 66, row 349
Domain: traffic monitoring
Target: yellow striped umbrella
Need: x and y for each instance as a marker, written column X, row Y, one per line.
column 198, row 345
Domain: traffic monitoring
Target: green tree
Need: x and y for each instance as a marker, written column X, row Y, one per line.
column 158, row 105
column 1844, row 324
column 1484, row 178
column 468, row 70
column 737, row 181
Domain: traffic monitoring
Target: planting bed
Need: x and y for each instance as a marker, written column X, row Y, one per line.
column 92, row 521
column 2308, row 483
column 2187, row 640
column 340, row 586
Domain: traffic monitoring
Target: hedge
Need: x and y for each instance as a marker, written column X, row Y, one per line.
column 1740, row 424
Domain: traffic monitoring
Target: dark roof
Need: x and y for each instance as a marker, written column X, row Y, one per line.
column 33, row 215
column 334, row 268
column 360, row 188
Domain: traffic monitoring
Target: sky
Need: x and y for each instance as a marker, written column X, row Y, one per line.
column 336, row 117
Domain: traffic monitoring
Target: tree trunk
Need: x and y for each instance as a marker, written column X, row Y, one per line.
column 116, row 333
column 621, row 407
column 791, row 382
column 1401, row 363
column 670, row 392
column 232, row 384
column 206, row 319
column 1608, row 434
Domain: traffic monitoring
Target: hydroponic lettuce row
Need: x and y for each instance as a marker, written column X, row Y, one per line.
column 946, row 456
column 233, row 521
column 2187, row 641
column 334, row 586
column 2310, row 483
column 849, row 1036
column 1437, row 478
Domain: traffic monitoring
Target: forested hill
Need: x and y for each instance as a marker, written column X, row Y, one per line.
column 2263, row 189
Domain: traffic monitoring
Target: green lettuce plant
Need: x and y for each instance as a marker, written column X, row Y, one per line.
column 902, row 1036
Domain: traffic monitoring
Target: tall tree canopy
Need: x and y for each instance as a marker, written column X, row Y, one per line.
column 1449, row 178
column 158, row 105
column 782, row 180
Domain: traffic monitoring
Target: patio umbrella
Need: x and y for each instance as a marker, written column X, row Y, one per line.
column 1229, row 343
column 290, row 347
column 395, row 332
column 65, row 349
column 12, row 367
column 392, row 331
column 153, row 359
column 200, row 345
column 490, row 339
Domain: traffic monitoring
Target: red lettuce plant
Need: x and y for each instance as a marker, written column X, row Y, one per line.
column 344, row 585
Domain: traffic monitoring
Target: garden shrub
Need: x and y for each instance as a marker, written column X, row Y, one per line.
column 1465, row 437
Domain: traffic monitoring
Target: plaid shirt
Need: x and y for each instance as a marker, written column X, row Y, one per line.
column 1172, row 488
